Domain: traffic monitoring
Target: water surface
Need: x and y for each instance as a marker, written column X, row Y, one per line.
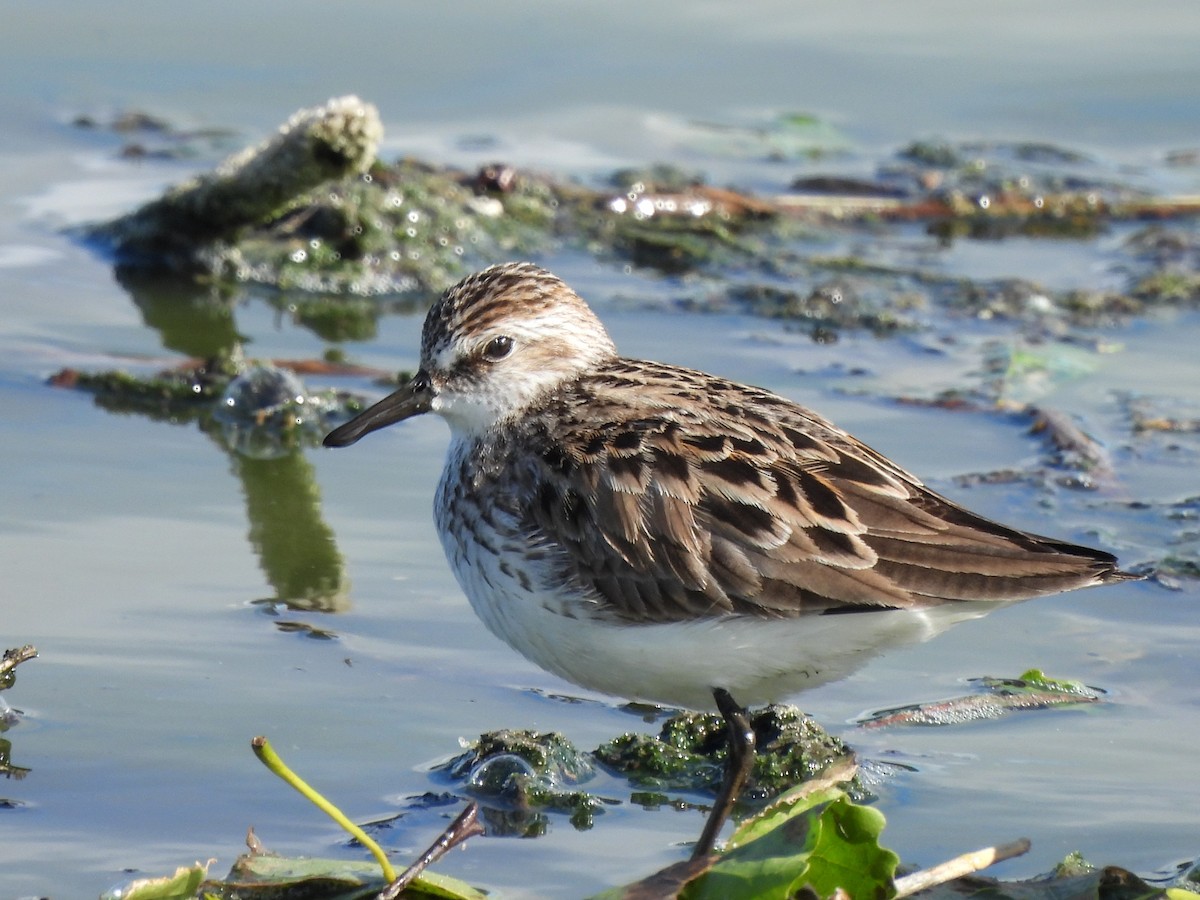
column 130, row 549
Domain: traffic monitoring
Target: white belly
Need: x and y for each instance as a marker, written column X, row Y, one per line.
column 676, row 664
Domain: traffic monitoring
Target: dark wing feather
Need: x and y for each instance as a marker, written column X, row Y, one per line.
column 733, row 500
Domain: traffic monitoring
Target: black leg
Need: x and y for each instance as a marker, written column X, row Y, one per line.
column 737, row 769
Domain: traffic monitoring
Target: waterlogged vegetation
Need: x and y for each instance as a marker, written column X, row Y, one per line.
column 357, row 239
column 813, row 840
column 315, row 224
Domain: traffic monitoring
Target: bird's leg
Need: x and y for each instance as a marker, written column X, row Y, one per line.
column 737, row 769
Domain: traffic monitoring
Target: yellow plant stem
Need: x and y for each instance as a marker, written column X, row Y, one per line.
column 269, row 758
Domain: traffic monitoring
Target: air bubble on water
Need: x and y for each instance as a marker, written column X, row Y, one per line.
column 259, row 391
column 490, row 775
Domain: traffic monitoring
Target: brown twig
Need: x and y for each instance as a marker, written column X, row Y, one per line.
column 959, row 866
column 465, row 826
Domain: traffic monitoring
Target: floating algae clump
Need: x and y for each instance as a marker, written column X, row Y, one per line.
column 690, row 750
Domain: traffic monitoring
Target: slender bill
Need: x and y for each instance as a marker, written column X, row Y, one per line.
column 410, row 400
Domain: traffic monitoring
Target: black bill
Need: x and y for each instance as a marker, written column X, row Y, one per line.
column 410, row 400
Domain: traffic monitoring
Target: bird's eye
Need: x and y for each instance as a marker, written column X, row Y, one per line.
column 498, row 348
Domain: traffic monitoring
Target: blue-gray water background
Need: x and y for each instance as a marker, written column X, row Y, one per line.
column 124, row 546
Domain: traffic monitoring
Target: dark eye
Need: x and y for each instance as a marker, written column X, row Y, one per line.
column 498, row 348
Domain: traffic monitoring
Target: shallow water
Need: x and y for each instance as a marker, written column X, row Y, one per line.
column 129, row 547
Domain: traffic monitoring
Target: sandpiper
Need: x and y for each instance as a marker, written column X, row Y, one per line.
column 658, row 533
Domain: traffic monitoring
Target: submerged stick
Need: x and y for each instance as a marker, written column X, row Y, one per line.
column 269, row 758
column 465, row 826
column 314, row 146
column 14, row 657
column 959, row 866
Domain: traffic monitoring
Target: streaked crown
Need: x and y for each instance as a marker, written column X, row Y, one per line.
column 500, row 339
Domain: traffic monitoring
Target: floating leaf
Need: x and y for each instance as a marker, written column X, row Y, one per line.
column 265, row 876
column 180, row 886
column 823, row 841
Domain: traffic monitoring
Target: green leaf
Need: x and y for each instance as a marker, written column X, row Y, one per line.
column 278, row 877
column 822, row 840
column 180, row 886
column 443, row 887
column 1036, row 679
column 786, row 807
